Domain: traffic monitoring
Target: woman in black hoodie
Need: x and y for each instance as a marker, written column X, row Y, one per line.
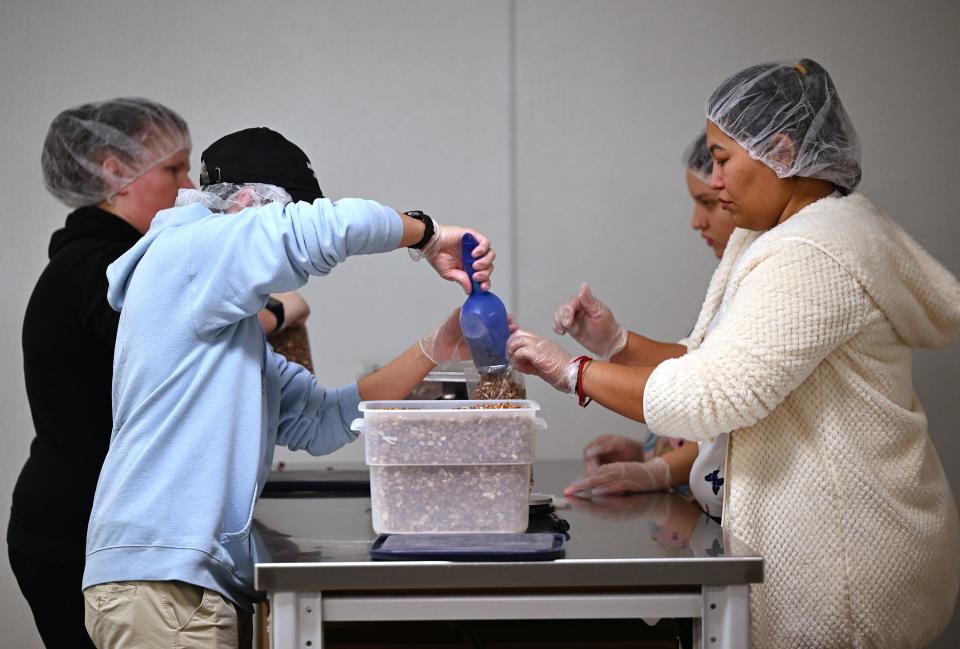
column 118, row 163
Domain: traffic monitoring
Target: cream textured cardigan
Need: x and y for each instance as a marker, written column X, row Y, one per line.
column 831, row 475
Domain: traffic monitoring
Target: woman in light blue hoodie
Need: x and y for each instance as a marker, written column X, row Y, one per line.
column 200, row 400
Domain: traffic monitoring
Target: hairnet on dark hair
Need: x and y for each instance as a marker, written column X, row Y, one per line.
column 227, row 197
column 697, row 158
column 788, row 115
column 138, row 133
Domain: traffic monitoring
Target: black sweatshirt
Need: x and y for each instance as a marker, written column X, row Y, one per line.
column 69, row 332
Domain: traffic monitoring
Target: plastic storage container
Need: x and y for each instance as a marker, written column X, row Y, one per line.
column 449, row 467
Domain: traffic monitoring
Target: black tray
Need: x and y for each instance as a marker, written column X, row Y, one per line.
column 540, row 546
column 314, row 483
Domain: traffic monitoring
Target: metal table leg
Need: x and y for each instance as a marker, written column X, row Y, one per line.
column 725, row 622
column 296, row 621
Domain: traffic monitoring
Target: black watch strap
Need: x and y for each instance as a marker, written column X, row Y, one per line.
column 275, row 307
column 428, row 230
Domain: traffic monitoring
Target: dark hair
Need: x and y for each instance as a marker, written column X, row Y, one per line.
column 697, row 157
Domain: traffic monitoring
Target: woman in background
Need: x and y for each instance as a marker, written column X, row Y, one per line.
column 617, row 464
column 117, row 163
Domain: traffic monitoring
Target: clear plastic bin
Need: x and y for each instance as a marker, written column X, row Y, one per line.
column 449, row 466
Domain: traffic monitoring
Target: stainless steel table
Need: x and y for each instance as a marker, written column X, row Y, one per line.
column 646, row 556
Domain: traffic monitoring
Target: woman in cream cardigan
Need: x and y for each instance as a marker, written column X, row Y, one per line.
column 802, row 353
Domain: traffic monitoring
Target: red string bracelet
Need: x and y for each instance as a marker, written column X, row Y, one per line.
column 583, row 362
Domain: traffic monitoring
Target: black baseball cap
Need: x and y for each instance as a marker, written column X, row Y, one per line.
column 260, row 155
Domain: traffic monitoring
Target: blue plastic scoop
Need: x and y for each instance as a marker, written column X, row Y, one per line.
column 483, row 318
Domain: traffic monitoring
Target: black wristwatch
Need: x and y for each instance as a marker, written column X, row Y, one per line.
column 275, row 307
column 428, row 229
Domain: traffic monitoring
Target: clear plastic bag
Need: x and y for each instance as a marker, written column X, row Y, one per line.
column 496, row 382
column 294, row 344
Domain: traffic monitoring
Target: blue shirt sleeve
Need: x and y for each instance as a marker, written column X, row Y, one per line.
column 237, row 260
column 313, row 418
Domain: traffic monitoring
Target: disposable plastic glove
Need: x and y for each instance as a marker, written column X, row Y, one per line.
column 532, row 354
column 446, row 342
column 591, row 323
column 621, row 477
column 443, row 253
column 612, row 448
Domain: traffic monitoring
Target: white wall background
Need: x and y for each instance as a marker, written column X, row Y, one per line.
column 555, row 126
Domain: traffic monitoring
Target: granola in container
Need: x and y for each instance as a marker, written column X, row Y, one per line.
column 442, row 466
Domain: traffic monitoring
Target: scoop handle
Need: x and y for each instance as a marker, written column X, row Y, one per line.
column 467, row 244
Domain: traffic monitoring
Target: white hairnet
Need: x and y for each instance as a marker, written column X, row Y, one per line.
column 232, row 197
column 697, row 158
column 797, row 99
column 138, row 133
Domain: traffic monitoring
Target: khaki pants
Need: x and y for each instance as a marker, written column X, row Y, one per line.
column 163, row 615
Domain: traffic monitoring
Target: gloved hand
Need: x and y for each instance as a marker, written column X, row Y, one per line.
column 532, row 354
column 443, row 253
column 621, row 477
column 612, row 448
column 446, row 342
column 591, row 323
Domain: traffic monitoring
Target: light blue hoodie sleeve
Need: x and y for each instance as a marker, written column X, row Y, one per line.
column 237, row 260
column 313, row 418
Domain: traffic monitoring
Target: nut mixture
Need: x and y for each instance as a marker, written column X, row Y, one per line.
column 471, row 435
column 294, row 344
column 472, row 498
column 499, row 385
